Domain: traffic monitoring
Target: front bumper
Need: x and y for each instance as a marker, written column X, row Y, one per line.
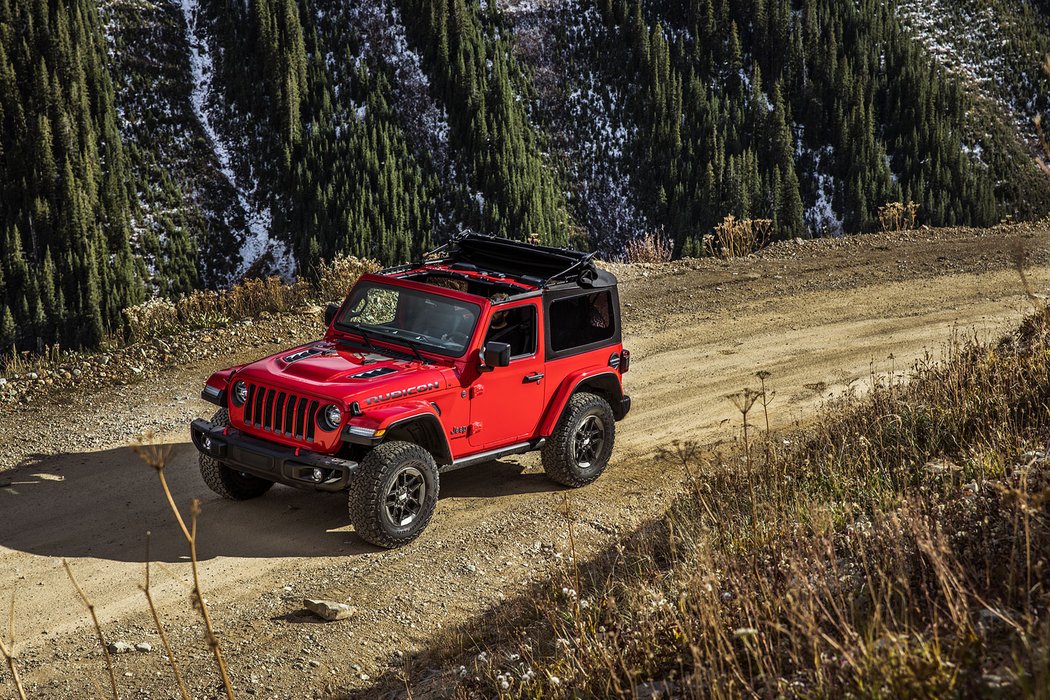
column 267, row 460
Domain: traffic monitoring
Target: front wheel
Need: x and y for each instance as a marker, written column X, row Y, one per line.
column 230, row 483
column 580, row 447
column 393, row 494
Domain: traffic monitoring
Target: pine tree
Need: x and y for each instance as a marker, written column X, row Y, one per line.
column 66, row 178
column 7, row 328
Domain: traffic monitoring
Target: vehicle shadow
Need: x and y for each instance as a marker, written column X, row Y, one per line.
column 101, row 504
column 493, row 480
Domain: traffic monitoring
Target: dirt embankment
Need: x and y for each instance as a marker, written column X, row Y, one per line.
column 820, row 317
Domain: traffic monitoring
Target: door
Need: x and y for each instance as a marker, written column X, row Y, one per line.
column 506, row 403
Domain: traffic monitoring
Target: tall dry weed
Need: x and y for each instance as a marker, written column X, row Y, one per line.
column 653, row 247
column 336, row 277
column 8, row 651
column 898, row 216
column 158, row 456
column 737, row 238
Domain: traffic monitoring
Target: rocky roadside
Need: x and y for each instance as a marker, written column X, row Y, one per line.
column 88, row 401
column 43, row 378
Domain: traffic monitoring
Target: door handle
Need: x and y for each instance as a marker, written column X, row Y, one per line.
column 534, row 377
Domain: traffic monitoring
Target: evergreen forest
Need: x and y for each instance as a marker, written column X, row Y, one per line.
column 155, row 148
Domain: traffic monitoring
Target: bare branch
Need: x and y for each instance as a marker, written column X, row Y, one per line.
column 98, row 628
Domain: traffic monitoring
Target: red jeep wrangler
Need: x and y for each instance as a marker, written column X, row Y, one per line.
column 488, row 348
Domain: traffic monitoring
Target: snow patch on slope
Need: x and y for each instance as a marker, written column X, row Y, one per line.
column 821, row 218
column 384, row 42
column 257, row 241
column 980, row 44
column 584, row 109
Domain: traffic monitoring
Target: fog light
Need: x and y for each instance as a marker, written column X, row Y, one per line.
column 206, row 443
column 318, row 475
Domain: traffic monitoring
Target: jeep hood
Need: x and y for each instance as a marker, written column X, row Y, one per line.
column 332, row 370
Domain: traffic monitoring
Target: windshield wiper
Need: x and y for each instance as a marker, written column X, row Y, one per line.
column 413, row 345
column 415, row 350
column 364, row 336
column 394, row 334
column 368, row 341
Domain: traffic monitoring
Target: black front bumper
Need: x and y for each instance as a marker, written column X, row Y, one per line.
column 267, row 460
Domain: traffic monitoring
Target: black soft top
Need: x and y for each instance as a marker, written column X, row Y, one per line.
column 514, row 258
column 542, row 266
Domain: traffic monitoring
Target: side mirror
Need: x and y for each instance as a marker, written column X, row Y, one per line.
column 329, row 313
column 495, row 355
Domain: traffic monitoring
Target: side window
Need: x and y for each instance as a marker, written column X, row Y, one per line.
column 517, row 327
column 581, row 320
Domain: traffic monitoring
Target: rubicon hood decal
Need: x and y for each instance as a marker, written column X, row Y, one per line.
column 400, row 393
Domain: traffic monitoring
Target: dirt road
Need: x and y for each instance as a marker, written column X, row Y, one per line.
column 820, row 317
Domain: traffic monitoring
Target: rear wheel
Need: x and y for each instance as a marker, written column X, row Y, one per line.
column 230, row 483
column 579, row 449
column 393, row 494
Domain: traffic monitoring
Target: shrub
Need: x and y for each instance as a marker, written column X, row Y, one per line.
column 651, row 248
column 897, row 216
column 152, row 318
column 338, row 276
column 247, row 299
column 735, row 238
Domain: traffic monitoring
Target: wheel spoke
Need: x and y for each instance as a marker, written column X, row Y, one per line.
column 589, row 440
column 405, row 497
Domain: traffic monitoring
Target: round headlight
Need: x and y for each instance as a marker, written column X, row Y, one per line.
column 331, row 417
column 240, row 393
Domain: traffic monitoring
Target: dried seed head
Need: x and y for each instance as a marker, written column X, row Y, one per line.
column 744, row 400
column 154, row 454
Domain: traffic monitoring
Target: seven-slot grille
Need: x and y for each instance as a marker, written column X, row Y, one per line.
column 281, row 412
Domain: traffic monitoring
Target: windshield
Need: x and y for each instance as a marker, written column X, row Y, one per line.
column 427, row 321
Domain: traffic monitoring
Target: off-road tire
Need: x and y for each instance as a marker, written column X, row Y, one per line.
column 373, row 493
column 585, row 413
column 230, row 483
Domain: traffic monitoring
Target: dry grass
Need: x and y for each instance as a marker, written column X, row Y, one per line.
column 898, row 216
column 651, row 248
column 14, row 362
column 160, row 318
column 737, row 238
column 338, row 276
column 247, row 299
column 8, row 651
column 898, row 548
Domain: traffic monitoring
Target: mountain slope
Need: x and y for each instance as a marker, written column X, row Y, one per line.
column 259, row 136
column 66, row 268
